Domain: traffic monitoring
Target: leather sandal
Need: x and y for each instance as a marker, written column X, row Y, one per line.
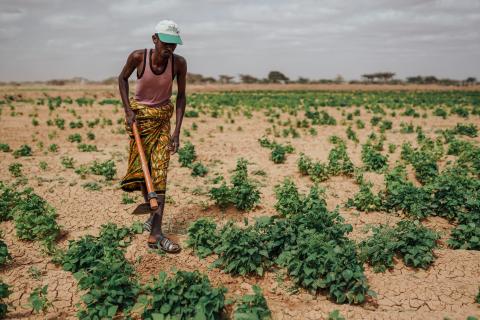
column 165, row 244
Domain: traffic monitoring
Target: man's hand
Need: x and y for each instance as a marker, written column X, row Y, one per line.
column 174, row 143
column 130, row 116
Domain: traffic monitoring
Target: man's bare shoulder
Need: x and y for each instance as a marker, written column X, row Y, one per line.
column 137, row 55
column 180, row 60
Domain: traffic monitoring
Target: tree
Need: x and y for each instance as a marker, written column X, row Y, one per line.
column 246, row 78
column 223, row 78
column 277, row 76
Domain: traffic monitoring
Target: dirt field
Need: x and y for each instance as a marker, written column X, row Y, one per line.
column 446, row 289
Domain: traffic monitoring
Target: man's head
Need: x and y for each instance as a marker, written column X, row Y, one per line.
column 166, row 37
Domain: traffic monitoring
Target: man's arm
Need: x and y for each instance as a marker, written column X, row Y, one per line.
column 181, row 101
column 130, row 66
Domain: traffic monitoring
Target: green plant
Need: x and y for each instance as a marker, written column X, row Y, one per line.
column 477, row 298
column 278, row 154
column 76, row 124
column 335, row 315
column 289, row 201
column 38, row 300
column 198, row 169
column 53, row 147
column 185, row 295
column 76, row 137
column 60, row 123
column 238, row 251
column 5, row 147
column 416, row 243
column 339, row 162
column 351, row 134
column 67, row 162
column 43, row 165
column 23, row 151
column 35, row 219
column 253, row 306
column 126, row 199
column 92, row 186
column 222, row 195
column 4, row 293
column 318, row 262
column 365, row 199
column 466, row 235
column 15, row 169
column 187, row 154
column 202, row 237
column 83, row 147
column 379, row 249
column 105, row 168
column 243, row 193
column 90, row 135
column 5, row 256
column 373, row 159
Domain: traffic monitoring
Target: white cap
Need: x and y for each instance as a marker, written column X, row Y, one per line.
column 168, row 32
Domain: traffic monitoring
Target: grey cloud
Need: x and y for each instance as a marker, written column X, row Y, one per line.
column 311, row 38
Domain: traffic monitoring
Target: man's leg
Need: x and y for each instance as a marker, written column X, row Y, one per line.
column 156, row 232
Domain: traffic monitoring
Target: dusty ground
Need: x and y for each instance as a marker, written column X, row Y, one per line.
column 447, row 289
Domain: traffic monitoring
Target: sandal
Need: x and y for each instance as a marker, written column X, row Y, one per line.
column 165, row 244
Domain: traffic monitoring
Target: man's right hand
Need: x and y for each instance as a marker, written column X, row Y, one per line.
column 130, row 117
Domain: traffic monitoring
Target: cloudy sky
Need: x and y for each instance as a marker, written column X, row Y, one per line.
column 45, row 39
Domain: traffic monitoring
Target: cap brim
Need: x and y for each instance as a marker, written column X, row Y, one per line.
column 169, row 38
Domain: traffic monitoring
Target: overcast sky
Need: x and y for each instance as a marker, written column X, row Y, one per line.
column 45, row 39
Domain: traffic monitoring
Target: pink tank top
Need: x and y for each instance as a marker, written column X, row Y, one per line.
column 154, row 88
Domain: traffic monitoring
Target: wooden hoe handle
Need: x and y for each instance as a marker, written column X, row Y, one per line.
column 152, row 196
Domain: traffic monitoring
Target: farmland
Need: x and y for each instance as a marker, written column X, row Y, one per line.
column 364, row 200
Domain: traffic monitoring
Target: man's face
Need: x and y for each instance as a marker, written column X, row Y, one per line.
column 165, row 49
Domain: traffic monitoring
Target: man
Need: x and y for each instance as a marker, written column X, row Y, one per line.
column 151, row 109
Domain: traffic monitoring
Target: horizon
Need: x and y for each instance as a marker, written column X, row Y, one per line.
column 311, row 39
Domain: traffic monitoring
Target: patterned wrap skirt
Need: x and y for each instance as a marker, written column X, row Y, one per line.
column 154, row 126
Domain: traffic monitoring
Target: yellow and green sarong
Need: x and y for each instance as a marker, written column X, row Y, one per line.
column 154, row 126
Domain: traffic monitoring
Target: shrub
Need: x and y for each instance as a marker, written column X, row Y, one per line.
column 76, row 137
column 187, row 155
column 15, row 169
column 238, row 251
column 38, row 300
column 199, row 170
column 317, row 262
column 67, row 162
column 5, row 256
column 289, row 201
column 278, row 154
column 221, row 195
column 365, row 199
column 339, row 162
column 83, row 147
column 4, row 294
column 253, row 306
column 35, row 219
column 202, row 237
column 106, row 169
column 185, row 295
column 379, row 249
column 5, row 147
column 466, row 235
column 23, row 151
column 53, row 147
column 243, row 193
column 373, row 159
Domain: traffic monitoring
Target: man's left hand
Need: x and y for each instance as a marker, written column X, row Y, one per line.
column 175, row 143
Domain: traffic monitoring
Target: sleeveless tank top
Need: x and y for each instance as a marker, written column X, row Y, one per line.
column 153, row 88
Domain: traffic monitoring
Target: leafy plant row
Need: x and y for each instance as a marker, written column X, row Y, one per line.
column 112, row 287
column 305, row 238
